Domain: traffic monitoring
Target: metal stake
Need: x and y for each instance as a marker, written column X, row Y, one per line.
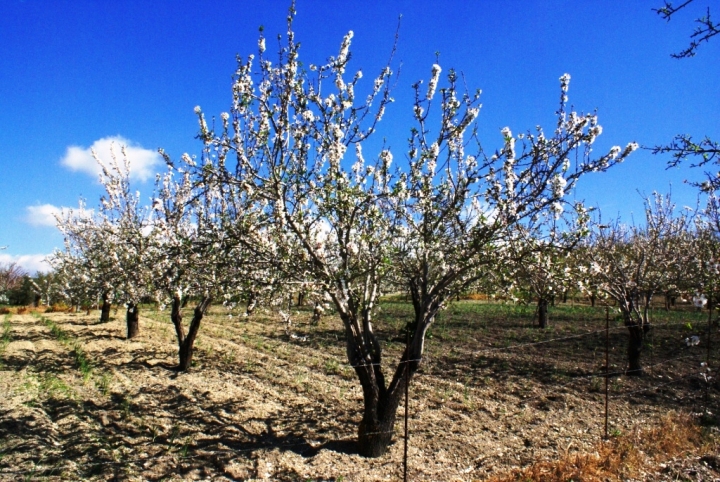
column 707, row 358
column 407, row 383
column 607, row 365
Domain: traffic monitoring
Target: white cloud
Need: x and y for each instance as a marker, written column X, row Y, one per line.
column 32, row 263
column 143, row 162
column 44, row 214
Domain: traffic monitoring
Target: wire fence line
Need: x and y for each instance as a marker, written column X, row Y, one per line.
column 529, row 344
column 696, row 357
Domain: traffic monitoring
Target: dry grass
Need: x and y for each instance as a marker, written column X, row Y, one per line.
column 25, row 310
column 476, row 297
column 636, row 455
column 58, row 308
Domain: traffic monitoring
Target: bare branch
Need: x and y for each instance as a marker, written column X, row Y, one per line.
column 706, row 29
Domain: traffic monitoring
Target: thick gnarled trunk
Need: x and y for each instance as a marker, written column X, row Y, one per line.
column 375, row 433
column 132, row 320
column 380, row 405
column 376, row 430
column 186, row 342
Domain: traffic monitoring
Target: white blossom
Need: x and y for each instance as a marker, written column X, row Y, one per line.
column 557, row 209
column 432, row 85
column 557, row 184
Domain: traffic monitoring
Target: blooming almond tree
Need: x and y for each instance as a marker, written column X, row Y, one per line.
column 197, row 225
column 127, row 226
column 630, row 264
column 544, row 273
column 85, row 265
column 109, row 252
column 437, row 228
column 702, row 271
column 284, row 142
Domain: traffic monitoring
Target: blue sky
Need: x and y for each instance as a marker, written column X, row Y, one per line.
column 75, row 73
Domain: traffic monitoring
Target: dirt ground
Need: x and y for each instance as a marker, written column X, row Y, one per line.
column 78, row 401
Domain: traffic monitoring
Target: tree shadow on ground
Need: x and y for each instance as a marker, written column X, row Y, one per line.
column 175, row 429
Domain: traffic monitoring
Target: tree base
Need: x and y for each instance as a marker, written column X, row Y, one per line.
column 374, row 441
column 132, row 321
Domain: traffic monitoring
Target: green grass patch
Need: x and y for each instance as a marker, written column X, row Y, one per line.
column 82, row 362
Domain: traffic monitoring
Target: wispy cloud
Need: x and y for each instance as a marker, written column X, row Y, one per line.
column 143, row 162
column 44, row 214
column 32, row 263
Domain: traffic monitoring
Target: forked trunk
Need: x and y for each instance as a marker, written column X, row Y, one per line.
column 132, row 320
column 186, row 342
column 186, row 353
column 377, row 427
column 543, row 312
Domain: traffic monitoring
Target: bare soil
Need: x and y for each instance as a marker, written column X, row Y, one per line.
column 264, row 403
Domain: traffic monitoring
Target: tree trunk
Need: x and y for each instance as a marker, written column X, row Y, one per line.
column 251, row 304
column 132, row 320
column 105, row 310
column 635, row 347
column 592, row 299
column 377, row 426
column 375, row 435
column 317, row 313
column 543, row 313
column 380, row 402
column 186, row 353
column 187, row 342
